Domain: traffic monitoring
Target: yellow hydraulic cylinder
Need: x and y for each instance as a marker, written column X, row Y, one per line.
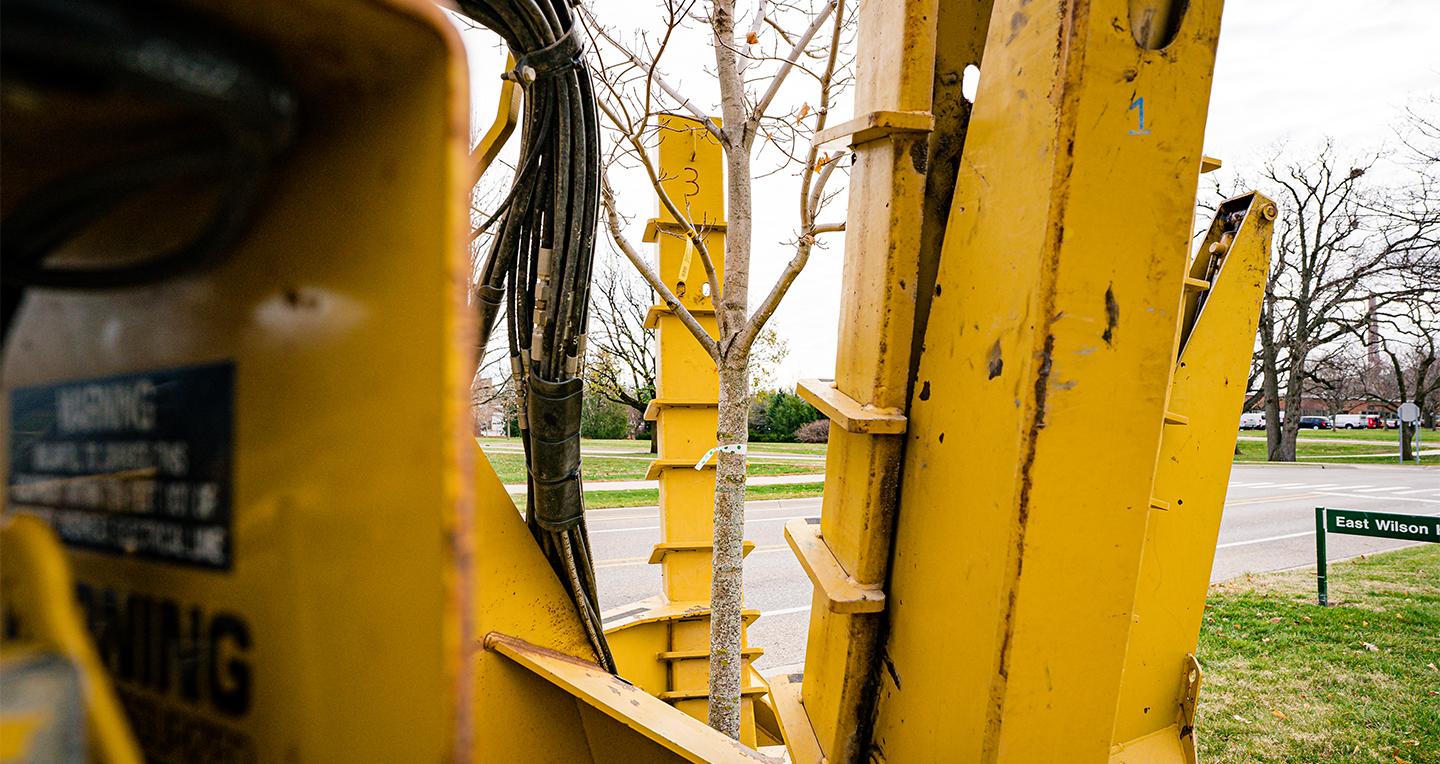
column 663, row 643
column 1155, row 719
column 1037, row 411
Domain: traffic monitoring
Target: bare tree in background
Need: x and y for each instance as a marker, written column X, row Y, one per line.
column 1409, row 358
column 621, row 351
column 621, row 362
column 1408, row 321
column 1329, row 245
column 784, row 41
column 1335, row 377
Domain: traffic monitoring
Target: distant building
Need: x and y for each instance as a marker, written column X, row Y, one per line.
column 489, row 410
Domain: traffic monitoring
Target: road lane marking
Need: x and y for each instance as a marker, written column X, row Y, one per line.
column 1416, row 490
column 1310, row 533
column 1374, row 490
column 1262, row 541
column 1266, row 499
column 784, row 611
column 621, row 562
column 1386, row 498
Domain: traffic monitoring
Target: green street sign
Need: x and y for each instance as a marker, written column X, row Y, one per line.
column 1353, row 522
column 1383, row 525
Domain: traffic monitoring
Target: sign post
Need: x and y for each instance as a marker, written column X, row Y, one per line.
column 1353, row 522
column 1409, row 414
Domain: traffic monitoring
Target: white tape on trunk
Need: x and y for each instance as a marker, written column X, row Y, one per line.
column 738, row 448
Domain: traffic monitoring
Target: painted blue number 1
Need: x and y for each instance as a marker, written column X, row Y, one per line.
column 1139, row 104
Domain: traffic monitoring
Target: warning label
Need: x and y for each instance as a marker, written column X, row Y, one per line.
column 137, row 464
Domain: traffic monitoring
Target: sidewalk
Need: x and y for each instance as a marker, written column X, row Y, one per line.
column 631, row 485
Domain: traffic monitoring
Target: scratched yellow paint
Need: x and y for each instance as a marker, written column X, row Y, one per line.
column 1047, row 359
column 1192, row 474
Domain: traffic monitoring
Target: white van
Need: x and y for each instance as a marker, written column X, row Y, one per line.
column 1356, row 421
column 1252, row 421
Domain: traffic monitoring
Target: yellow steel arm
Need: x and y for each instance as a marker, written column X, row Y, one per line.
column 507, row 114
column 1191, row 476
column 1019, row 536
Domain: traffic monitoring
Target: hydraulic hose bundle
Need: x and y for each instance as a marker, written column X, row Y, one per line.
column 538, row 269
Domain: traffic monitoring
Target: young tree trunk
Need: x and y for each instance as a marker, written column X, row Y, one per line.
column 727, row 585
column 738, row 330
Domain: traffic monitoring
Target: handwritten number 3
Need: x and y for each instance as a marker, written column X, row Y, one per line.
column 694, row 176
column 1139, row 105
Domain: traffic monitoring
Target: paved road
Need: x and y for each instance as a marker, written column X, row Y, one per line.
column 1269, row 524
column 1269, row 521
column 621, row 540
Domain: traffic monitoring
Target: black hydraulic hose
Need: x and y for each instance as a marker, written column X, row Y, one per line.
column 539, row 263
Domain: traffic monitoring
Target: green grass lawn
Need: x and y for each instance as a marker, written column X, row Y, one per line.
column 1319, row 451
column 1385, row 436
column 649, row 497
column 1288, row 681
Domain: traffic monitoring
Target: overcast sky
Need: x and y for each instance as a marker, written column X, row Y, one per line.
column 1288, row 70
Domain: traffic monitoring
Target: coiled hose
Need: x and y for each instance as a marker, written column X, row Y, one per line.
column 538, row 268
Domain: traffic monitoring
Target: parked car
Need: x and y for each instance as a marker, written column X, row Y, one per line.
column 1252, row 421
column 1314, row 423
column 1356, row 421
column 1392, row 422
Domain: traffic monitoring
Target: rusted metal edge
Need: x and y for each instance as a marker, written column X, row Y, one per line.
column 626, row 703
column 842, row 593
column 878, row 124
column 849, row 414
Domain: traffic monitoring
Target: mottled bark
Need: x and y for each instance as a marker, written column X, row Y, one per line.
column 727, row 583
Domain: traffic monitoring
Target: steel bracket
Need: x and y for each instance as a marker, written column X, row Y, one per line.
column 877, row 125
column 666, row 547
column 843, row 593
column 848, row 413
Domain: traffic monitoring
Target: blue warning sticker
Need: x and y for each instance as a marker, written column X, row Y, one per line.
column 138, row 464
